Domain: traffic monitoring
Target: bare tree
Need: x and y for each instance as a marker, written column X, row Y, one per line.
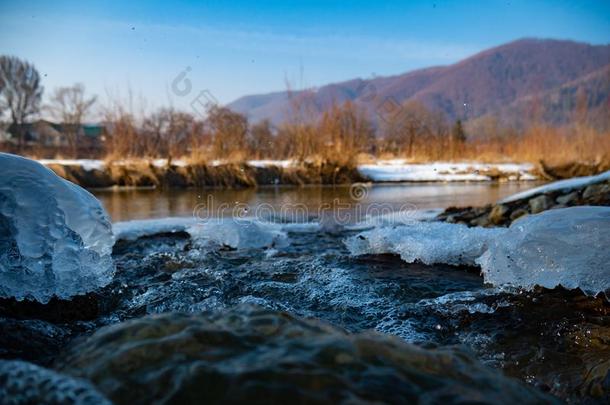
column 405, row 128
column 70, row 105
column 260, row 139
column 346, row 131
column 21, row 92
column 229, row 130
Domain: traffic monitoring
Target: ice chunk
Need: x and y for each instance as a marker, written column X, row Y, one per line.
column 236, row 233
column 132, row 230
column 427, row 242
column 401, row 217
column 568, row 247
column 55, row 237
column 26, row 383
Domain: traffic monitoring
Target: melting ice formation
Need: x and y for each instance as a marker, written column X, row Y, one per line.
column 567, row 247
column 55, row 237
column 236, row 233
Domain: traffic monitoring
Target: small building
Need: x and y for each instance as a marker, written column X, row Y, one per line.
column 44, row 133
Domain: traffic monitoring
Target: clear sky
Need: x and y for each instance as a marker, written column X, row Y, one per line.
column 244, row 47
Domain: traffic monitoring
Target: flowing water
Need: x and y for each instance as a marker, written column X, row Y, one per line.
column 555, row 340
column 128, row 204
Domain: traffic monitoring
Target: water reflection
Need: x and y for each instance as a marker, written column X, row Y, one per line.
column 127, row 204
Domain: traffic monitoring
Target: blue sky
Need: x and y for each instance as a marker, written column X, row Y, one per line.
column 239, row 47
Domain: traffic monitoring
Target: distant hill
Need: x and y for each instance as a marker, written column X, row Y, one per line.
column 504, row 81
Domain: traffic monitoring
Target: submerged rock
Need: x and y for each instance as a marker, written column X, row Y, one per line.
column 23, row 383
column 55, row 237
column 556, row 340
column 264, row 356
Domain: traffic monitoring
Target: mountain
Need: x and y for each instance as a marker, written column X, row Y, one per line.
column 502, row 81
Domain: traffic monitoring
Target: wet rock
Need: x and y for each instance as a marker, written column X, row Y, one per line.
column 264, row 356
column 480, row 221
column 518, row 213
column 23, row 383
column 595, row 190
column 504, row 214
column 32, row 340
column 567, row 199
column 540, row 203
column 498, row 214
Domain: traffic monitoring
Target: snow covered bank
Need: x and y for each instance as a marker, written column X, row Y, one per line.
column 267, row 163
column 398, row 170
column 567, row 247
column 86, row 164
column 568, row 184
column 579, row 191
column 55, row 237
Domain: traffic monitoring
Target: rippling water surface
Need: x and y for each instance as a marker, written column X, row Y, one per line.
column 552, row 339
column 127, row 204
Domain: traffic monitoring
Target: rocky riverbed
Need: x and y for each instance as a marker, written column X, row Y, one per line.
column 504, row 213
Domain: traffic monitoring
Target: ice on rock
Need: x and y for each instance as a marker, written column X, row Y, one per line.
column 55, row 237
column 567, row 247
column 427, row 242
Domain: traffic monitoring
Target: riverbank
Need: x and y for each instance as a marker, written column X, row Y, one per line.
column 588, row 190
column 161, row 173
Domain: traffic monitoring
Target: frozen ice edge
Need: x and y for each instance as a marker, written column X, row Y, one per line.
column 567, row 247
column 237, row 233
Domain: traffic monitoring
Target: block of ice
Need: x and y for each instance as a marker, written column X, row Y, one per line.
column 55, row 237
column 567, row 247
column 237, row 233
column 427, row 242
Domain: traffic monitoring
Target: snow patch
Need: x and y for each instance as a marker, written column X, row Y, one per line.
column 86, row 164
column 267, row 163
column 399, row 170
